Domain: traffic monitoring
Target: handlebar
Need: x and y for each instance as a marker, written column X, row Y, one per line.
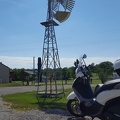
column 81, row 67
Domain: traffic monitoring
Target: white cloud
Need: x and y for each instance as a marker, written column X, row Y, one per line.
column 17, row 62
column 68, row 62
column 27, row 62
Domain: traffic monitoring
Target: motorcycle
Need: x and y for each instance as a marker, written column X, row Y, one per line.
column 103, row 102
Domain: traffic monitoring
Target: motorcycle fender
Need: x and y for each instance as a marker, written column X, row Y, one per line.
column 71, row 96
column 107, row 95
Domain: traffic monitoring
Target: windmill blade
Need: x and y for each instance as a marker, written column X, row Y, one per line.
column 67, row 4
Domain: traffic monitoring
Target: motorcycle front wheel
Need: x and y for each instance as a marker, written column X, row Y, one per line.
column 74, row 108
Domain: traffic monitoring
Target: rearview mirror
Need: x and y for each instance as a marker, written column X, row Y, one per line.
column 84, row 56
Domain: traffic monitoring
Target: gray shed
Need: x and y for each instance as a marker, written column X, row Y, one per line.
column 4, row 73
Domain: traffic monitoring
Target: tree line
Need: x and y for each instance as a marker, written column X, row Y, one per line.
column 103, row 70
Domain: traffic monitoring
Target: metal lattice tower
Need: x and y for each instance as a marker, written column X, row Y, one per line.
column 50, row 57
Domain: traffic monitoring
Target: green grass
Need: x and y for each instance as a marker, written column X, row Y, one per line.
column 12, row 84
column 16, row 83
column 26, row 101
column 21, row 101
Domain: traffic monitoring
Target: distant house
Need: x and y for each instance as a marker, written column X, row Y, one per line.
column 4, row 73
column 28, row 76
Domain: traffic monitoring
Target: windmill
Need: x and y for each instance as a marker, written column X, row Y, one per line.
column 50, row 64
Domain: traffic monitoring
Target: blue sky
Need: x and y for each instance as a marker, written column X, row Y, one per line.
column 92, row 28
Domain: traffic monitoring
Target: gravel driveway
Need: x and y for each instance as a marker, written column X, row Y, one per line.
column 49, row 114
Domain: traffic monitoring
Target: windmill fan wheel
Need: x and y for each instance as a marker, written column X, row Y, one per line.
column 66, row 5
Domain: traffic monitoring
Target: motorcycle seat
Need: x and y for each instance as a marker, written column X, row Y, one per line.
column 106, row 86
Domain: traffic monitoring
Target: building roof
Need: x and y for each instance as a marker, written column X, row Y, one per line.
column 29, row 72
column 4, row 65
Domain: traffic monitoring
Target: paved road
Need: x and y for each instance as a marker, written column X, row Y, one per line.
column 11, row 90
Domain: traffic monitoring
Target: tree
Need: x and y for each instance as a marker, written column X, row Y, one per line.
column 92, row 67
column 72, row 70
column 58, row 73
column 66, row 74
column 104, row 70
column 18, row 74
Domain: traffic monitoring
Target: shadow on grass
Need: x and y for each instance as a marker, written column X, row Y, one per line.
column 53, row 106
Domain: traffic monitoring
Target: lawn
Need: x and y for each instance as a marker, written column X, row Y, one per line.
column 12, row 84
column 28, row 100
column 15, row 84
